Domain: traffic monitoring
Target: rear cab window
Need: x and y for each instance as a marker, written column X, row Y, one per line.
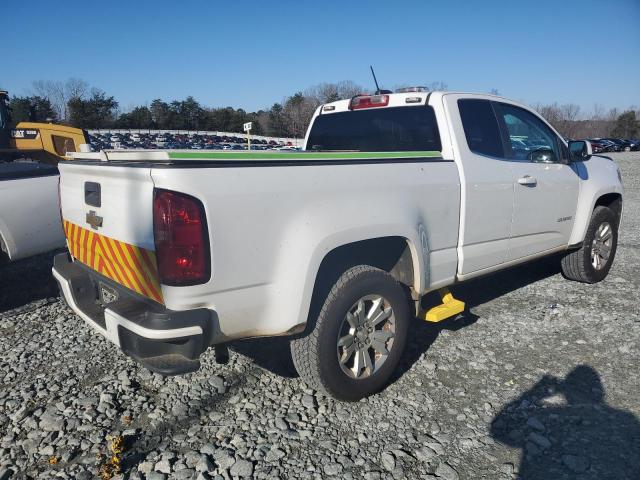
column 390, row 129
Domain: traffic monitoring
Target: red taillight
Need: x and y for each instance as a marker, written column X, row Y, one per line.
column 369, row 101
column 181, row 237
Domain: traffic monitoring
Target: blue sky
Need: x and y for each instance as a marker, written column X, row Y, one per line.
column 254, row 53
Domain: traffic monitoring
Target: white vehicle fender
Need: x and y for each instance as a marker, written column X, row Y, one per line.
column 316, row 253
column 30, row 216
column 598, row 177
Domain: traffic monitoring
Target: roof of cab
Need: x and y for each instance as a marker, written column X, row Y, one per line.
column 399, row 99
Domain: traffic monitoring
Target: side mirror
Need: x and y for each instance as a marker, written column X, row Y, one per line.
column 580, row 150
column 542, row 155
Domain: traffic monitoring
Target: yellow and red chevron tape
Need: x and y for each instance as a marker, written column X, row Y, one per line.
column 131, row 266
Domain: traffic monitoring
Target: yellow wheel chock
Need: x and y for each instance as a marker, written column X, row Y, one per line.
column 450, row 307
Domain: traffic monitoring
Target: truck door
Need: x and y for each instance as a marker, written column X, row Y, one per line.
column 486, row 184
column 545, row 185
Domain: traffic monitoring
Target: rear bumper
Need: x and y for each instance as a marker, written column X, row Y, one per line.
column 165, row 341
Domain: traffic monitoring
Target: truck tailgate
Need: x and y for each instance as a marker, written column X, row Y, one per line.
column 107, row 214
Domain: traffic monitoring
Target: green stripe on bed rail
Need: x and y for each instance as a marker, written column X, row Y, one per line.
column 298, row 155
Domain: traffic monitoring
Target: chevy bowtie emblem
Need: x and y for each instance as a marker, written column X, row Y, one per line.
column 94, row 220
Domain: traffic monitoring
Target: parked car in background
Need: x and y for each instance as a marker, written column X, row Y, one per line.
column 609, row 146
column 627, row 145
column 597, row 146
column 169, row 140
column 622, row 146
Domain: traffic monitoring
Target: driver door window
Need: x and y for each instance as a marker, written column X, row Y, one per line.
column 529, row 139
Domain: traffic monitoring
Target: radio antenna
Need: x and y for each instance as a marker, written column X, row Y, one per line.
column 375, row 80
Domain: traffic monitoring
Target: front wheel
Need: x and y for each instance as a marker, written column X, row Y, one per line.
column 356, row 342
column 592, row 262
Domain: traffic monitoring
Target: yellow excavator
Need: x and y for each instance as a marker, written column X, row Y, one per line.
column 44, row 142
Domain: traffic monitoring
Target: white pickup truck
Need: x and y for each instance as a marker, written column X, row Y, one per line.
column 396, row 195
column 29, row 211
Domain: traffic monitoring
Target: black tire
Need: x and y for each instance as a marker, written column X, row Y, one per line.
column 315, row 355
column 577, row 264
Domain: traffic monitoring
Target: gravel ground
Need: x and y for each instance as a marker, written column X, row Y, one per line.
column 539, row 379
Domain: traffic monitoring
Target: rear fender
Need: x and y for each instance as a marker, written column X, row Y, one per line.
column 418, row 250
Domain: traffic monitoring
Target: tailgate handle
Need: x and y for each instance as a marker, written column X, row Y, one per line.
column 92, row 194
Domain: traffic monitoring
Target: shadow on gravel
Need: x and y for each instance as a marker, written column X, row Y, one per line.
column 482, row 290
column 565, row 429
column 422, row 335
column 271, row 354
column 161, row 436
column 26, row 281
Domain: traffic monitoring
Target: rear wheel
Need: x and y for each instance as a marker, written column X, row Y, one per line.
column 592, row 262
column 356, row 342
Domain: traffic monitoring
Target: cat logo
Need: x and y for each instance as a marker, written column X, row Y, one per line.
column 25, row 133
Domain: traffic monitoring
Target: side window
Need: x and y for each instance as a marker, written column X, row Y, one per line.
column 529, row 138
column 481, row 127
column 63, row 145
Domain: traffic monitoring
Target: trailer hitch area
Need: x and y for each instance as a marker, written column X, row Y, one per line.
column 450, row 307
column 222, row 354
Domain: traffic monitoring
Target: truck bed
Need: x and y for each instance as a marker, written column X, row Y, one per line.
column 17, row 170
column 252, row 158
column 272, row 217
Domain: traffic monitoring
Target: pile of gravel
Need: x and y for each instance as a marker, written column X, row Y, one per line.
column 514, row 387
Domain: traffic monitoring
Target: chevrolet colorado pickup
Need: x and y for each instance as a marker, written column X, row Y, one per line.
column 396, row 195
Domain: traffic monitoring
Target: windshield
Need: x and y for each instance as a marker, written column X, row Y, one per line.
column 393, row 129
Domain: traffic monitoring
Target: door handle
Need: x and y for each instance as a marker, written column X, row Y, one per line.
column 528, row 180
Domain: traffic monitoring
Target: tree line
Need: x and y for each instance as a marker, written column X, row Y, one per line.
column 75, row 103
column 598, row 124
